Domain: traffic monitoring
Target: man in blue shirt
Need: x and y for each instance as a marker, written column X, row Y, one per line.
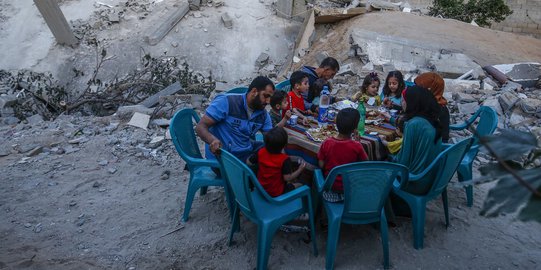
column 326, row 70
column 232, row 120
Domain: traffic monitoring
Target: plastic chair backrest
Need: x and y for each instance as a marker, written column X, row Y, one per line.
column 238, row 176
column 284, row 86
column 183, row 135
column 488, row 121
column 366, row 186
column 446, row 164
column 238, row 90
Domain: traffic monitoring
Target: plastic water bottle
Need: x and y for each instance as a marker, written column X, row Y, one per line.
column 324, row 101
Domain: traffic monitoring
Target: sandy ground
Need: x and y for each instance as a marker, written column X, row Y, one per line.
column 104, row 205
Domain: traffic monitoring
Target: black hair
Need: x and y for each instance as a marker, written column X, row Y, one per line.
column 315, row 90
column 347, row 121
column 368, row 80
column 296, row 78
column 277, row 98
column 275, row 140
column 260, row 83
column 331, row 63
column 421, row 102
column 401, row 84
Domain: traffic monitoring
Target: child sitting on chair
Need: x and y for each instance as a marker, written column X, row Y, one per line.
column 369, row 91
column 341, row 149
column 275, row 169
column 299, row 85
column 394, row 146
column 280, row 112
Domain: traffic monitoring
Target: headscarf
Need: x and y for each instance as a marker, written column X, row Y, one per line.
column 434, row 83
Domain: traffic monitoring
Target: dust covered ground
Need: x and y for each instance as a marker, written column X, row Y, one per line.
column 100, row 195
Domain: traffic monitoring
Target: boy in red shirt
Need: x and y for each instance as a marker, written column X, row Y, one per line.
column 275, row 169
column 341, row 149
column 299, row 85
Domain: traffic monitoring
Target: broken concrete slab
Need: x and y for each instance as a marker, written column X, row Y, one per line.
column 468, row 108
column 530, row 105
column 161, row 122
column 139, row 120
column 169, row 90
column 125, row 112
column 332, row 15
column 7, row 101
column 463, row 97
column 510, row 86
column 347, row 69
column 113, row 18
column 452, row 65
column 156, row 35
column 34, row 152
column 384, row 5
column 262, row 59
column 194, row 4
column 508, row 100
column 320, row 56
column 526, row 74
column 34, row 119
column 227, row 20
column 517, row 118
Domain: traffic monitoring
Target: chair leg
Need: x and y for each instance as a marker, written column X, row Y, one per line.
column 384, row 239
column 445, row 206
column 418, row 217
column 465, row 174
column 265, row 234
column 333, row 233
column 190, row 194
column 235, row 220
column 203, row 191
column 312, row 226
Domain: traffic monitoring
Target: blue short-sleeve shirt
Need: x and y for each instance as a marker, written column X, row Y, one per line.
column 234, row 128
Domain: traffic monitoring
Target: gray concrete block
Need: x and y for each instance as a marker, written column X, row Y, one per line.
column 508, row 100
column 227, row 20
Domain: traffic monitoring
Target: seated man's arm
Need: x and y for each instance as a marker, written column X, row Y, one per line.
column 202, row 130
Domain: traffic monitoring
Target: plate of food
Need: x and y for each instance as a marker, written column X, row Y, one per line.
column 372, row 114
column 322, row 133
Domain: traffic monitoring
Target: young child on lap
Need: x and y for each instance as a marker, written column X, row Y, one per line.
column 280, row 112
column 275, row 169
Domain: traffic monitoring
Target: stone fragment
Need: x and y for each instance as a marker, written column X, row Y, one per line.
column 7, row 101
column 463, row 97
column 139, row 120
column 508, row 100
column 35, row 151
column 79, row 140
column 161, row 122
column 468, row 108
column 530, row 105
column 346, row 70
column 262, row 59
column 34, row 119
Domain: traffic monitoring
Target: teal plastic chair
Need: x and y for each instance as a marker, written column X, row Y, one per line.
column 238, row 90
column 267, row 212
column 201, row 174
column 419, row 189
column 488, row 121
column 366, row 189
column 284, row 86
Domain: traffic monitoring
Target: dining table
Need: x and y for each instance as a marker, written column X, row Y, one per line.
column 301, row 145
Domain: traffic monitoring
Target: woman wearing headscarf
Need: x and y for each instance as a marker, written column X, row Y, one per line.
column 422, row 132
column 435, row 84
